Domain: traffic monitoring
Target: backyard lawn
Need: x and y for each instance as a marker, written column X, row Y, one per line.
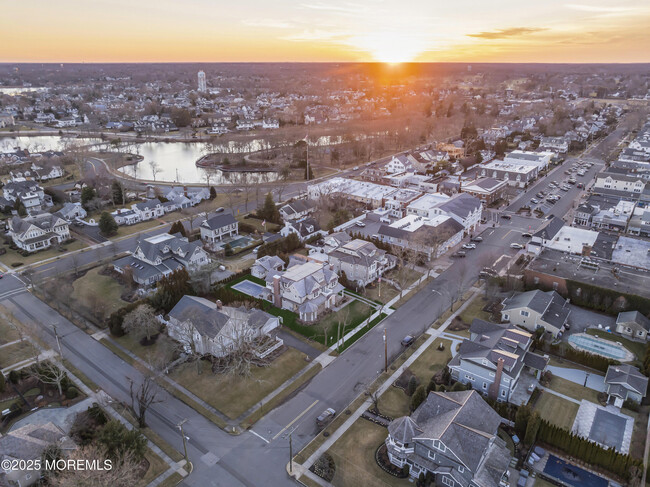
column 12, row 257
column 354, row 457
column 235, row 395
column 158, row 353
column 571, row 389
column 16, row 352
column 388, row 292
column 556, row 410
column 94, row 289
column 257, row 223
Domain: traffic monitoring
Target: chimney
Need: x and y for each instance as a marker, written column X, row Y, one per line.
column 185, row 191
column 493, row 391
column 219, row 305
column 331, row 267
column 277, row 298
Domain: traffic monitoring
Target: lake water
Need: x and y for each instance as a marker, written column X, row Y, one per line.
column 15, row 90
column 176, row 160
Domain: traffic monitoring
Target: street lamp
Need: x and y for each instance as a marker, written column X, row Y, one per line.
column 180, row 427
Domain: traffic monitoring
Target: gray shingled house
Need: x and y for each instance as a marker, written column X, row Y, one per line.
column 633, row 324
column 625, row 382
column 452, row 435
column 493, row 359
column 537, row 309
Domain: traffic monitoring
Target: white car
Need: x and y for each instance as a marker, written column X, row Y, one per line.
column 469, row 246
column 516, row 245
column 360, row 224
column 534, row 201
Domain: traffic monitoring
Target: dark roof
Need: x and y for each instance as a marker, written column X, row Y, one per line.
column 535, row 361
column 633, row 317
column 550, row 230
column 219, row 221
column 628, row 377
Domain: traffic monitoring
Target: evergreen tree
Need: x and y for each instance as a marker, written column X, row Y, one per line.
column 213, row 193
column 269, row 210
column 521, row 420
column 87, row 194
column 178, row 227
column 117, row 193
column 412, row 385
column 107, row 224
column 532, row 428
column 418, row 397
column 3, row 382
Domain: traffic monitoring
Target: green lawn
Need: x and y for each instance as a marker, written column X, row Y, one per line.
column 7, row 332
column 354, row 457
column 637, row 348
column 556, row 410
column 571, row 389
column 16, row 352
column 394, row 402
column 93, row 290
column 125, row 230
column 475, row 310
column 235, row 395
column 13, row 257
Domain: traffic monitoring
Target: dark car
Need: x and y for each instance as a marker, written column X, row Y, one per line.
column 407, row 341
column 460, row 254
column 527, row 235
column 477, row 239
column 506, row 217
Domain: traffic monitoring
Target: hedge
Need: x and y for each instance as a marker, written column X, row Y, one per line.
column 587, row 451
column 607, row 300
column 587, row 359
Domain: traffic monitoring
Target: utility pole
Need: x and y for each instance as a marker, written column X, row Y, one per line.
column 307, row 141
column 180, row 427
column 290, row 454
column 58, row 341
column 385, row 352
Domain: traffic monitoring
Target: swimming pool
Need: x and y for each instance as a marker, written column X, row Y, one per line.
column 251, row 288
column 608, row 349
column 571, row 475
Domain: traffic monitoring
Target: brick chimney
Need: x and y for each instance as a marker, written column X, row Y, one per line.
column 185, row 191
column 277, row 298
column 493, row 391
column 219, row 305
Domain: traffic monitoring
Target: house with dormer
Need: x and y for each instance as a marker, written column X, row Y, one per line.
column 38, row 232
column 494, row 357
column 308, row 288
column 210, row 328
column 362, row 262
column 28, row 192
column 626, row 186
column 156, row 257
column 453, row 437
column 537, row 309
column 305, row 228
column 218, row 226
column 148, row 210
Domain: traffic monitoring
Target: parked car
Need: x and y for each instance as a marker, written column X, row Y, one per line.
column 540, row 194
column 460, row 254
column 360, row 224
column 355, row 168
column 477, row 239
column 325, row 417
column 516, row 245
column 527, row 235
column 469, row 246
column 506, row 217
column 407, row 341
column 534, row 201
column 221, row 209
column 580, row 185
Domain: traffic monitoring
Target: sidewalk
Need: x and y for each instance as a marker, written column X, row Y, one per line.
column 433, row 335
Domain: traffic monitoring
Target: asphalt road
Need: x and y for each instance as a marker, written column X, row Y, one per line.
column 258, row 457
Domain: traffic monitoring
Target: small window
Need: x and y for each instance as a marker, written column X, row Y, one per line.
column 506, row 317
column 461, row 469
column 524, row 313
column 431, row 455
column 447, row 481
column 484, row 385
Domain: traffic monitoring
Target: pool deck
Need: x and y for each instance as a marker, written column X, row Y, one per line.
column 586, row 416
column 606, row 344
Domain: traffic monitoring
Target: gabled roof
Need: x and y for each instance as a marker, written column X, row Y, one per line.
column 633, row 317
column 461, row 205
column 550, row 230
column 219, row 221
column 628, row 377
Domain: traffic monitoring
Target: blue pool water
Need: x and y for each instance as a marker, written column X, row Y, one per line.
column 571, row 475
column 250, row 288
column 600, row 347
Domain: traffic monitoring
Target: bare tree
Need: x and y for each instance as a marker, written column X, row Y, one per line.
column 155, row 169
column 49, row 373
column 142, row 321
column 459, row 285
column 124, row 471
column 143, row 397
column 344, row 321
column 283, row 180
column 405, row 256
column 75, row 263
column 246, row 184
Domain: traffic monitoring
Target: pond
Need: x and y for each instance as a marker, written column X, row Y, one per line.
column 176, row 161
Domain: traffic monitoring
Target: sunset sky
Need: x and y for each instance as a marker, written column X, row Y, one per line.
column 325, row 30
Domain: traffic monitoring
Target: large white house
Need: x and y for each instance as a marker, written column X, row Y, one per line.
column 38, row 232
column 361, row 261
column 160, row 255
column 212, row 329
column 215, row 228
column 306, row 288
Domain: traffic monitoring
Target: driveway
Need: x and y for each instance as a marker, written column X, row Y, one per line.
column 580, row 319
column 594, row 381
